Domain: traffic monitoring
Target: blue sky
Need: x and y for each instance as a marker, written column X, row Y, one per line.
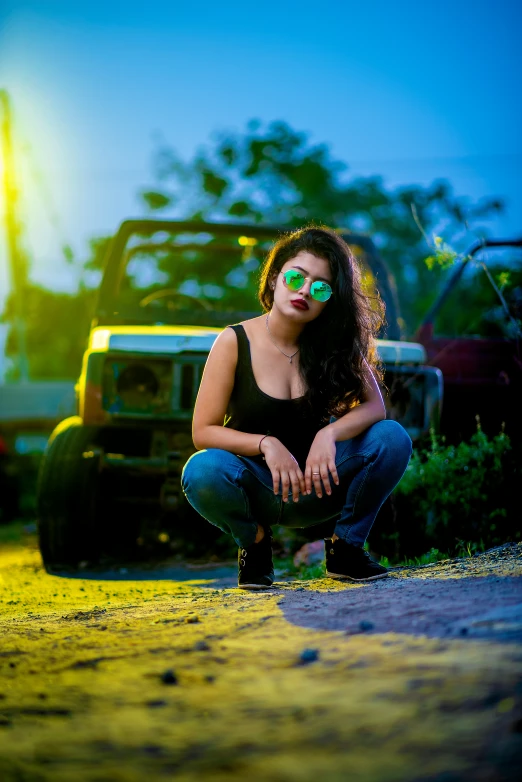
column 412, row 91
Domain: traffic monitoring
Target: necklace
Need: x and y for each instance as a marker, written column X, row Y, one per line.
column 279, row 349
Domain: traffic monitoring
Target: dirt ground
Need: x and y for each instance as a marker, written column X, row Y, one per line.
column 171, row 672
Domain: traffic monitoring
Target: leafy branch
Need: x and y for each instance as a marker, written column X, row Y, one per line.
column 444, row 257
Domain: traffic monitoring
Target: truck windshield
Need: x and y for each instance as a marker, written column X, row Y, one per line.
column 152, row 276
column 188, row 271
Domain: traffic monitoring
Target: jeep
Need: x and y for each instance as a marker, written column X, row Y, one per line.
column 109, row 483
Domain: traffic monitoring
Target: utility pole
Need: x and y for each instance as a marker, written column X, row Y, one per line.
column 17, row 261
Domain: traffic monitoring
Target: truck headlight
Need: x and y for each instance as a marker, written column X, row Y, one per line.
column 137, row 387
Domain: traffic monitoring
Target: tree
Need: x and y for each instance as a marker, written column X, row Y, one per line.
column 57, row 330
column 274, row 175
column 271, row 175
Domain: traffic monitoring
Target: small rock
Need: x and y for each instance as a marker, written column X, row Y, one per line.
column 359, row 664
column 156, row 704
column 192, row 620
column 364, row 626
column 209, row 678
column 308, row 656
column 201, row 646
column 169, row 677
column 310, row 554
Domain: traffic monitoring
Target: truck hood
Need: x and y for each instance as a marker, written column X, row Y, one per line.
column 153, row 339
column 179, row 339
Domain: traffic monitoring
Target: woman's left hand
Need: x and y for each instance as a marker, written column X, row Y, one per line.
column 321, row 460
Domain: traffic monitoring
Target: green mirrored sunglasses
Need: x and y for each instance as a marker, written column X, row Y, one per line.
column 319, row 290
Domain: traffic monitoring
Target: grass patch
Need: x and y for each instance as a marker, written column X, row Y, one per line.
column 433, row 555
column 285, row 567
column 17, row 533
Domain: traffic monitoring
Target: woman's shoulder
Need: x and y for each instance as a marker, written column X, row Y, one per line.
column 226, row 343
column 234, row 334
column 251, row 327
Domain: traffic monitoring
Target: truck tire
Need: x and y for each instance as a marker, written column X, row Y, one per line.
column 67, row 496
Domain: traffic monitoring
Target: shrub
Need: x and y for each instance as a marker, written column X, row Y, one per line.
column 452, row 493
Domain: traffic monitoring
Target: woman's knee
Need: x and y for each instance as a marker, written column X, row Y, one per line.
column 392, row 438
column 205, row 469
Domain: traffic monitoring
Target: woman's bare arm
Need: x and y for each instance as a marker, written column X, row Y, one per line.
column 213, row 398
column 368, row 412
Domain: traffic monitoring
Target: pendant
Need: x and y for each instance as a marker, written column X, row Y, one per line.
column 291, row 357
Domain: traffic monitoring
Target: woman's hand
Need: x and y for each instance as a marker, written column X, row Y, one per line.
column 284, row 468
column 321, row 460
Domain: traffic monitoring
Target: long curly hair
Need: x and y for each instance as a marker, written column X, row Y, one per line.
column 334, row 346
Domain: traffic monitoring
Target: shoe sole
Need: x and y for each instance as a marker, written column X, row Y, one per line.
column 351, row 578
column 255, row 586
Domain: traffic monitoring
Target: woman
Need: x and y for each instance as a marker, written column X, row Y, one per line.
column 304, row 438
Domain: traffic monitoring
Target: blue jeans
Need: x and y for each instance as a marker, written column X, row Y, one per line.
column 235, row 493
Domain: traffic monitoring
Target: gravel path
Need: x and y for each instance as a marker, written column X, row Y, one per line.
column 486, row 608
column 477, row 598
column 175, row 673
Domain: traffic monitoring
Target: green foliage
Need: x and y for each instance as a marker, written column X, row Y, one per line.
column 155, row 200
column 17, row 532
column 469, row 549
column 99, row 245
column 57, row 329
column 444, row 256
column 273, row 174
column 474, row 307
column 286, row 568
column 433, row 556
column 503, row 279
column 461, row 550
column 508, row 315
column 462, row 492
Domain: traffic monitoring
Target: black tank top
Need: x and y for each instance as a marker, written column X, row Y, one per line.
column 251, row 410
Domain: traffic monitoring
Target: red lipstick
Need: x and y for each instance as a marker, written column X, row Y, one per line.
column 299, row 304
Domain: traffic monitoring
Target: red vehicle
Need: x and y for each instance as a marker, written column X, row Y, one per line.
column 482, row 374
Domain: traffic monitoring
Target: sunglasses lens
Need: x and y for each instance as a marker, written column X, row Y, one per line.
column 294, row 280
column 320, row 291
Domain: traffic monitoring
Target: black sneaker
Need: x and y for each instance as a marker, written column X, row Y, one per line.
column 255, row 566
column 346, row 561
